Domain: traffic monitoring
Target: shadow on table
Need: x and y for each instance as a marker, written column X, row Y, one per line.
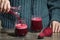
column 14, row 35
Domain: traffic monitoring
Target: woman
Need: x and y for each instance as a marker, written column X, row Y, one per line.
column 32, row 7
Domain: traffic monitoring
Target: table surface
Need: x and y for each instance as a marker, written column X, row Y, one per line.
column 29, row 36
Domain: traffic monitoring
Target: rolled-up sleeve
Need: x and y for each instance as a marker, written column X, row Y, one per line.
column 54, row 8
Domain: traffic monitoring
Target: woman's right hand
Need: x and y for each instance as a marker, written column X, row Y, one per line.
column 4, row 6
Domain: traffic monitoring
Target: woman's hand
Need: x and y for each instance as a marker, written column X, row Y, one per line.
column 56, row 26
column 59, row 28
column 4, row 5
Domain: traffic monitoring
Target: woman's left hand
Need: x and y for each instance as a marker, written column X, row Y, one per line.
column 56, row 26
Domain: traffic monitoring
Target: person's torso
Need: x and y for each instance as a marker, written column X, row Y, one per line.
column 32, row 7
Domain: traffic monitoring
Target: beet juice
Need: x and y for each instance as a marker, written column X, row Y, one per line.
column 36, row 24
column 21, row 29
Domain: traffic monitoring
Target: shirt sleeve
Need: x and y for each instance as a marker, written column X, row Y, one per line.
column 54, row 8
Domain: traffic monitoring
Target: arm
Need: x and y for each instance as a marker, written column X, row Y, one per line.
column 4, row 5
column 54, row 8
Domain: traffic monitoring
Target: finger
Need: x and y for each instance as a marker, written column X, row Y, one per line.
column 53, row 27
column 5, row 6
column 59, row 28
column 56, row 28
column 8, row 7
column 1, row 6
column 0, row 2
column 50, row 25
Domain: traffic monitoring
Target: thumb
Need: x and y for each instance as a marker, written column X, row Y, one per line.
column 51, row 25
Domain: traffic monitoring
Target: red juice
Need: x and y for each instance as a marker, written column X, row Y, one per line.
column 36, row 24
column 21, row 29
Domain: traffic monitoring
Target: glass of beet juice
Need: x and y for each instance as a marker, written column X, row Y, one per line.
column 21, row 28
column 20, row 25
column 36, row 24
column 14, row 11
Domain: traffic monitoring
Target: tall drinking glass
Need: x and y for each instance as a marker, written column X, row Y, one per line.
column 36, row 23
column 21, row 28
